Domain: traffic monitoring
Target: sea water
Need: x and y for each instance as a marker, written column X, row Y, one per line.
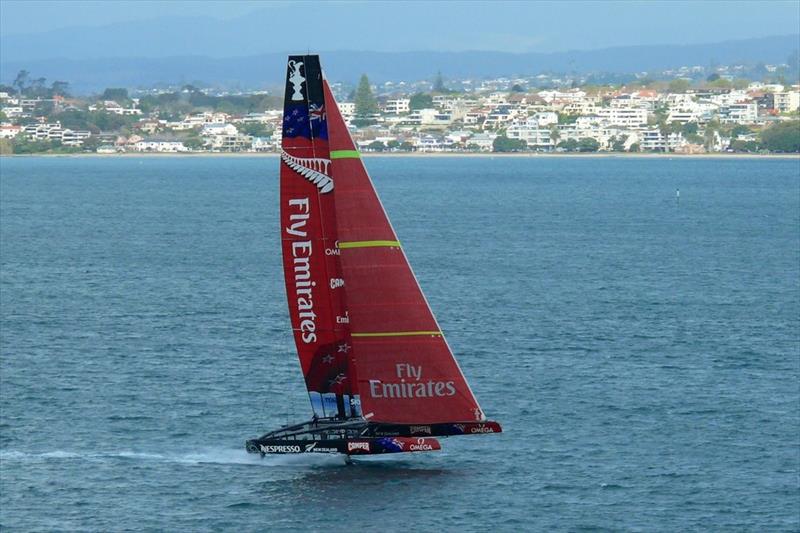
column 641, row 350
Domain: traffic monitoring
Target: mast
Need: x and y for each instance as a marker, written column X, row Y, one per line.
column 312, row 270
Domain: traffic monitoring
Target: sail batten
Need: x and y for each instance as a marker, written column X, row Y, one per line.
column 369, row 244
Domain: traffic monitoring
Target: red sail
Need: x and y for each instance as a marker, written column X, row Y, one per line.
column 406, row 371
column 310, row 256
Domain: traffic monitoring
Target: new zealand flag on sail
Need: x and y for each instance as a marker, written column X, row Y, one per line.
column 302, row 121
column 304, row 113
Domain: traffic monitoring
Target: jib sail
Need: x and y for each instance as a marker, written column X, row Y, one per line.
column 314, row 280
column 406, row 371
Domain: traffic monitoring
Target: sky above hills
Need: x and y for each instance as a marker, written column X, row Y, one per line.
column 83, row 29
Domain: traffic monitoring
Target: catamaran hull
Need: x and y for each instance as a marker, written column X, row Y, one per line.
column 375, row 446
column 434, row 430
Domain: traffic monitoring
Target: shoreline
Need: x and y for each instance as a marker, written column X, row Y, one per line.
column 516, row 155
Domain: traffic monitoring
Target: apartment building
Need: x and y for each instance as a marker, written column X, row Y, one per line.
column 653, row 139
column 397, row 106
column 786, row 101
column 622, row 116
column 739, row 113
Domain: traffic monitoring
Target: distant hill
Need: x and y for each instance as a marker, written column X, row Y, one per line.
column 87, row 75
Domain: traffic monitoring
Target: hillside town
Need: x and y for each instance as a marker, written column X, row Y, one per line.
column 719, row 114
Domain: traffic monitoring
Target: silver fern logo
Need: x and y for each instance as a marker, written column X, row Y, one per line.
column 314, row 169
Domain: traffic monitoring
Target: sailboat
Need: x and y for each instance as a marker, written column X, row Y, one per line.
column 380, row 375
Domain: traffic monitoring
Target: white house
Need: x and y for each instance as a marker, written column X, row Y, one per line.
column 160, row 146
column 9, row 131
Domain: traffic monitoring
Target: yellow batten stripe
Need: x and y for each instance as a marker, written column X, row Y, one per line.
column 397, row 334
column 345, row 154
column 369, row 244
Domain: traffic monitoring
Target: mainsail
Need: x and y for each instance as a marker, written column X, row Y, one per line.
column 368, row 342
column 312, row 271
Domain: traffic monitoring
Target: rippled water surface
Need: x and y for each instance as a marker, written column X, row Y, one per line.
column 642, row 354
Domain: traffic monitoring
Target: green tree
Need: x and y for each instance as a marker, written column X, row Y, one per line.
column 744, row 146
column 37, row 88
column 587, row 144
column 376, row 146
column 119, row 95
column 618, row 143
column 43, row 108
column 5, row 147
column 555, row 135
column 193, row 142
column 24, row 145
column 635, row 147
column 517, row 88
column 393, row 144
column 420, row 101
column 569, row 145
column 255, row 129
column 712, row 77
column 783, row 137
column 366, row 104
column 60, row 88
column 694, row 138
column 91, row 144
column 406, row 146
column 678, row 85
column 739, row 129
column 689, row 128
column 564, row 118
column 109, row 122
column 504, row 144
column 721, row 83
column 74, row 119
column 21, row 81
column 438, row 83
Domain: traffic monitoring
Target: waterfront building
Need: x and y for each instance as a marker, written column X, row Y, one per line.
column 654, row 140
column 786, row 101
column 739, row 113
column 160, row 145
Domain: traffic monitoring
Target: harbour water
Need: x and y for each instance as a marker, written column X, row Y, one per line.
column 641, row 350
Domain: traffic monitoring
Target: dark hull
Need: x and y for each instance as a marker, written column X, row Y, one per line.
column 358, row 437
column 375, row 446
